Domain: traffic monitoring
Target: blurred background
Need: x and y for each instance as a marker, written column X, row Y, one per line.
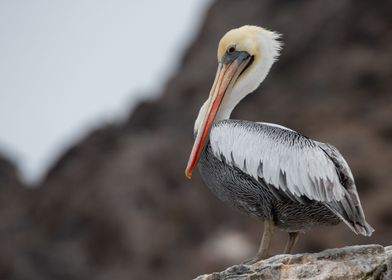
column 97, row 105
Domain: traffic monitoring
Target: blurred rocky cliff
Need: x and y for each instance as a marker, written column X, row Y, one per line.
column 117, row 205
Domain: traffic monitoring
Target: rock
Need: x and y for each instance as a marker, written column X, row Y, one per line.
column 355, row 262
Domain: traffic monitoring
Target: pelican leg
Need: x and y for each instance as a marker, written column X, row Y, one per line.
column 293, row 238
column 269, row 228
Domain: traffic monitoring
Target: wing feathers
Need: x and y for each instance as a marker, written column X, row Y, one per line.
column 292, row 163
column 283, row 158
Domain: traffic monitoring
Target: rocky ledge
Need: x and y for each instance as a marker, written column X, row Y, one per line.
column 355, row 262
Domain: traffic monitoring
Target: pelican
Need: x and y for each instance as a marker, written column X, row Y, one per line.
column 266, row 170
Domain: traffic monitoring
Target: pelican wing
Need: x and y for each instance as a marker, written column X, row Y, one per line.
column 292, row 163
column 283, row 158
column 349, row 208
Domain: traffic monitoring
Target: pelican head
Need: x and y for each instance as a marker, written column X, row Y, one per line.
column 245, row 56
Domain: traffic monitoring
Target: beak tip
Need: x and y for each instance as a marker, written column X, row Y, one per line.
column 188, row 174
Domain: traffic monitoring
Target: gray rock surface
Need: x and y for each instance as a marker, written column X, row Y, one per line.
column 355, row 262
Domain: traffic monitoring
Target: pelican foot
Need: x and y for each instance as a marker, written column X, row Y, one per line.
column 254, row 260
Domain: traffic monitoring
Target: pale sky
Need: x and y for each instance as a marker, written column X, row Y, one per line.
column 69, row 66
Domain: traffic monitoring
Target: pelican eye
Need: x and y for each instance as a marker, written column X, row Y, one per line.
column 231, row 49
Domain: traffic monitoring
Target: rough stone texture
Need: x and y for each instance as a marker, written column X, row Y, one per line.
column 348, row 263
column 116, row 205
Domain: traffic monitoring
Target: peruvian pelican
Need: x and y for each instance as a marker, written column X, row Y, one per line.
column 267, row 170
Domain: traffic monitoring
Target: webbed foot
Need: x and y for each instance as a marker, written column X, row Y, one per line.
column 254, row 260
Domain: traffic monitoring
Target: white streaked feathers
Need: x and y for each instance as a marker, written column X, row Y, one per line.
column 282, row 157
column 276, row 125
